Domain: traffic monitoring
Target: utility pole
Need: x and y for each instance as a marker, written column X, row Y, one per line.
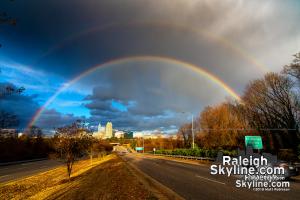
column 143, row 143
column 193, row 135
column 193, row 144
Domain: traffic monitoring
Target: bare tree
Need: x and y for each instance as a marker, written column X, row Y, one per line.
column 270, row 106
column 293, row 69
column 185, row 133
column 8, row 89
column 72, row 142
column 6, row 19
column 34, row 132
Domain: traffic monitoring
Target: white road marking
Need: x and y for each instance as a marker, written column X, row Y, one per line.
column 26, row 163
column 210, row 180
column 21, row 168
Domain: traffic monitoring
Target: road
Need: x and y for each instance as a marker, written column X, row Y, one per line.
column 195, row 182
column 188, row 180
column 12, row 172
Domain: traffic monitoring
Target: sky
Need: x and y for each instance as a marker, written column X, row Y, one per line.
column 141, row 64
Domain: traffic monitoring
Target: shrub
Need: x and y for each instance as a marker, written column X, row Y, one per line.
column 198, row 152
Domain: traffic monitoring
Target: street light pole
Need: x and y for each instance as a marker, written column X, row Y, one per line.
column 193, row 144
column 193, row 135
column 143, row 143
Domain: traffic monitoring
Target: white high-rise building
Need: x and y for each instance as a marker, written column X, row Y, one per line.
column 101, row 129
column 108, row 130
column 100, row 132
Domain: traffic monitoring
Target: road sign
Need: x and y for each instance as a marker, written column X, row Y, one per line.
column 139, row 148
column 253, row 141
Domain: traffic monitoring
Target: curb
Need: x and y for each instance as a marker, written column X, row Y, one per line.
column 158, row 189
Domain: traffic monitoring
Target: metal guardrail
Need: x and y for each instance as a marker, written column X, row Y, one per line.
column 185, row 157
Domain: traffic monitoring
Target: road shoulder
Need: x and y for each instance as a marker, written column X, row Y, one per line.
column 159, row 190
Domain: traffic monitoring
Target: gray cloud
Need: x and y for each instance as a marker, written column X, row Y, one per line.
column 23, row 106
column 53, row 119
column 155, row 94
column 184, row 30
column 99, row 105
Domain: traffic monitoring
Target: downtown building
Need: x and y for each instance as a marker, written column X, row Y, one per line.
column 104, row 132
column 108, row 130
column 100, row 133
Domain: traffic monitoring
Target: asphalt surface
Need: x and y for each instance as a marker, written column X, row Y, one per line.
column 188, row 180
column 195, row 182
column 16, row 171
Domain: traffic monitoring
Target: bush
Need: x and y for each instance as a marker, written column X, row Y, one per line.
column 24, row 148
column 198, row 152
column 287, row 155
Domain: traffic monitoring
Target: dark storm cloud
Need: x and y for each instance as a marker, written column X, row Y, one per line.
column 155, row 94
column 99, row 105
column 23, row 106
column 168, row 28
column 52, row 119
column 227, row 38
column 129, row 121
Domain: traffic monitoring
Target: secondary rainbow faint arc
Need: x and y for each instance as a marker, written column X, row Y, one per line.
column 190, row 66
column 181, row 27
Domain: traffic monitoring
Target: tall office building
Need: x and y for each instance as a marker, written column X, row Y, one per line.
column 108, row 130
column 99, row 128
column 100, row 133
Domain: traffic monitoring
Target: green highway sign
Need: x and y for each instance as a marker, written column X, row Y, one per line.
column 253, row 141
column 139, row 148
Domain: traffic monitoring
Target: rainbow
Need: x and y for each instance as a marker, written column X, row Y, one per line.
column 190, row 66
column 178, row 27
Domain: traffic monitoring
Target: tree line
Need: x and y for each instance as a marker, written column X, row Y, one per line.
column 270, row 107
column 69, row 144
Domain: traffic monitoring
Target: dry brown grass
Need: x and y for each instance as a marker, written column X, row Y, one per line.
column 107, row 178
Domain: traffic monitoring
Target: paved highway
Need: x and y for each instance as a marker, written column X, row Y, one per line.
column 188, row 180
column 195, row 182
column 12, row 172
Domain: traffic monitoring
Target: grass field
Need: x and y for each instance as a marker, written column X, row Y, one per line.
column 106, row 178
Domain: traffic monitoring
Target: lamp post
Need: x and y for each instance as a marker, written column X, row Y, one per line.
column 193, row 144
column 143, row 143
column 193, row 135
